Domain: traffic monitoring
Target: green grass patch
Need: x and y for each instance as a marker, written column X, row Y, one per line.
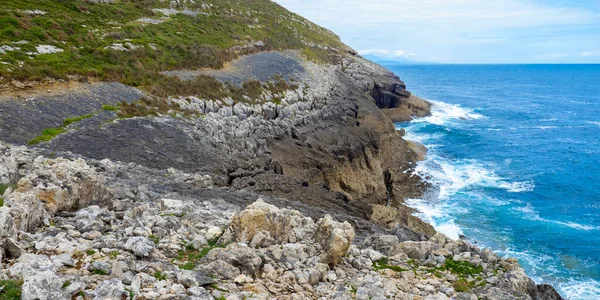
column 47, row 135
column 99, row 272
column 90, row 251
column 461, row 286
column 80, row 29
column 50, row 133
column 253, row 91
column 66, row 284
column 108, row 107
column 383, row 264
column 189, row 256
column 462, row 268
column 11, row 289
column 160, row 276
column 69, row 121
column 113, row 254
column 154, row 239
column 4, row 187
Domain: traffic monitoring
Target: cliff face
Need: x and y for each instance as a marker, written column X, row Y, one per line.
column 142, row 185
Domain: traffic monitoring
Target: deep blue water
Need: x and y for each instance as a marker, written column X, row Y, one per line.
column 514, row 153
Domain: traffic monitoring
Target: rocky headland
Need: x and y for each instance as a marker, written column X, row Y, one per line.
column 272, row 170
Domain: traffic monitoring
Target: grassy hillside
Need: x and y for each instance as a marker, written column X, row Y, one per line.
column 131, row 41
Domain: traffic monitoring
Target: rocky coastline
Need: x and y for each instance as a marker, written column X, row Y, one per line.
column 302, row 200
column 288, row 185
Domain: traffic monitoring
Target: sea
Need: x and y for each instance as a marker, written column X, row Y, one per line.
column 514, row 161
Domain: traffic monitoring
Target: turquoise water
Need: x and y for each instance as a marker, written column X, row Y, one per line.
column 514, row 157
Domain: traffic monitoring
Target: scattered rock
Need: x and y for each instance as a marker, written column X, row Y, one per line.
column 335, row 238
column 140, row 246
column 110, row 290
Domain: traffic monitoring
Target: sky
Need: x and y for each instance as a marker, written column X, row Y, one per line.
column 463, row 31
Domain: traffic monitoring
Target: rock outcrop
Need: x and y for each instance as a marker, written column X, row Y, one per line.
column 151, row 246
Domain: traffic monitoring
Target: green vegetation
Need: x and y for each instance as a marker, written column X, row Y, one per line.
column 88, row 33
column 49, row 133
column 154, row 239
column 3, row 188
column 99, row 272
column 189, row 257
column 149, row 107
column 160, row 276
column 110, row 107
column 90, row 251
column 216, row 287
column 353, row 289
column 252, row 91
column 113, row 254
column 69, row 121
column 188, row 266
column 131, row 293
column 461, row 286
column 201, row 86
column 66, row 284
column 383, row 264
column 10, row 289
column 462, row 268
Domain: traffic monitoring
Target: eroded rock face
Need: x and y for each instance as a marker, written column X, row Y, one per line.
column 390, row 217
column 335, row 238
column 54, row 185
column 262, row 224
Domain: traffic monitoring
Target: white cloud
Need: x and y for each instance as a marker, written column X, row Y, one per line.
column 459, row 30
column 551, row 56
column 586, row 53
column 402, row 53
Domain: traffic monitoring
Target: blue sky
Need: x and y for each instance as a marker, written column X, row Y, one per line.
column 463, row 31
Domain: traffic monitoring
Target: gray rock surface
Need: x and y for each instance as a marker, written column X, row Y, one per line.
column 141, row 241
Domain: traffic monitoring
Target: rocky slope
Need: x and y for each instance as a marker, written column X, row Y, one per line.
column 89, row 229
column 280, row 175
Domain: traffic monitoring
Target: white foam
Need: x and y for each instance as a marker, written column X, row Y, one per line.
column 451, row 176
column 593, row 123
column 434, row 215
column 581, row 290
column 579, row 102
column 517, row 186
column 533, row 215
column 442, row 112
column 422, row 138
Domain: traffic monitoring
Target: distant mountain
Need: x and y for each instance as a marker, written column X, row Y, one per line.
column 395, row 60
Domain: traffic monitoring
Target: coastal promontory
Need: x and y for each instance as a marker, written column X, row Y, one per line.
column 213, row 150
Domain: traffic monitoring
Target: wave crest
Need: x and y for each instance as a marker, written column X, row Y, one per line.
column 442, row 112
